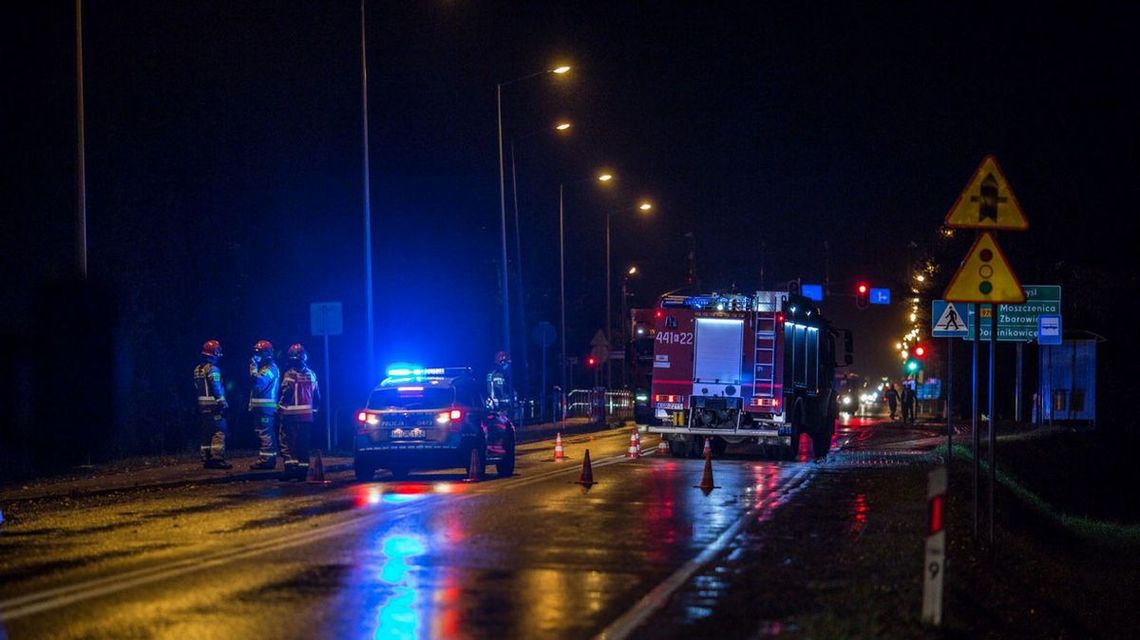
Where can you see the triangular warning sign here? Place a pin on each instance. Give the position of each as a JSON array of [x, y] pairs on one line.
[[951, 321], [987, 202], [985, 276]]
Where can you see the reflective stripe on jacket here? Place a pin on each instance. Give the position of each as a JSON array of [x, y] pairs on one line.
[[263, 388], [208, 383], [299, 394]]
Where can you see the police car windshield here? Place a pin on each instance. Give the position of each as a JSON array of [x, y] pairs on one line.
[[411, 397]]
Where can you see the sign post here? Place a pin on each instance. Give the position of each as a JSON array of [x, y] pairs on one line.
[[987, 204], [934, 569], [327, 320]]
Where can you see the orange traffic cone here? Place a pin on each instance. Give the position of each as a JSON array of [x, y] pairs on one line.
[[662, 446], [708, 448], [474, 473], [634, 450], [706, 484], [587, 477], [316, 473], [559, 453]]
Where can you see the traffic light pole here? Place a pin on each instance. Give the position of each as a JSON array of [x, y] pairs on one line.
[[949, 401]]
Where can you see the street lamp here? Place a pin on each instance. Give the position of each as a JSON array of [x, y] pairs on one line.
[[503, 284], [560, 128], [645, 207], [629, 273], [603, 178]]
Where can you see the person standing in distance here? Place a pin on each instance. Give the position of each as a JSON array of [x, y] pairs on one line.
[[264, 377], [212, 407], [296, 406]]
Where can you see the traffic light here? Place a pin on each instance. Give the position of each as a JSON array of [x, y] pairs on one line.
[[591, 361], [919, 351], [862, 295]]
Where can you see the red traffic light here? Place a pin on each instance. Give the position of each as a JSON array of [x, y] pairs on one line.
[[861, 288], [919, 351], [591, 361]]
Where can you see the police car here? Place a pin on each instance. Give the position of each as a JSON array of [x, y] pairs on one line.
[[431, 418]]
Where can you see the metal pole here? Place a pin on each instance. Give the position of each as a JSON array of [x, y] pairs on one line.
[[562, 299], [609, 318], [503, 284], [974, 413], [542, 393], [367, 203], [1017, 387], [949, 401], [519, 276], [328, 392], [993, 417], [81, 144]]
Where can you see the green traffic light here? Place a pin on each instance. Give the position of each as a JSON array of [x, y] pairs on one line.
[[911, 366]]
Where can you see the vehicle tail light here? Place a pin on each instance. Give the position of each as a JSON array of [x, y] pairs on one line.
[[362, 416], [366, 420], [456, 414]]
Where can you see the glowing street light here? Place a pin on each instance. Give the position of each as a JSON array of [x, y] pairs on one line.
[[562, 126], [605, 177], [503, 278]]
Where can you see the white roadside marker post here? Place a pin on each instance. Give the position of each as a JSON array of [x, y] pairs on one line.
[[935, 566]]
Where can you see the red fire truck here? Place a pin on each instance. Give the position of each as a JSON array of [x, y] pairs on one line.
[[738, 369]]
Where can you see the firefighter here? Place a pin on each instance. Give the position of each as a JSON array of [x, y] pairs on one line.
[[264, 377], [295, 407], [212, 407]]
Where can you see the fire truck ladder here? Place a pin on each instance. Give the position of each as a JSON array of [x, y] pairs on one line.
[[764, 372]]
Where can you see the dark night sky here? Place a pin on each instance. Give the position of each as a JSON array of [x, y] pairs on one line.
[[224, 164]]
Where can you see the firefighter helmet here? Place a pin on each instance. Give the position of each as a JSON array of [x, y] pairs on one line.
[[212, 349], [502, 358], [297, 352], [263, 348]]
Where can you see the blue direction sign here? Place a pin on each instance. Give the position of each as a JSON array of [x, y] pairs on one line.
[[812, 292], [1049, 329], [1016, 322], [880, 296], [949, 322]]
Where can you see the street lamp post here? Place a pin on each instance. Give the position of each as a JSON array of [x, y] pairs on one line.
[[604, 178], [504, 285], [643, 207]]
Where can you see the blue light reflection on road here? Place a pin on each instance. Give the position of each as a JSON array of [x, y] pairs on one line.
[[399, 614]]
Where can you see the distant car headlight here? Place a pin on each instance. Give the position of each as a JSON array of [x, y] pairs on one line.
[[846, 399]]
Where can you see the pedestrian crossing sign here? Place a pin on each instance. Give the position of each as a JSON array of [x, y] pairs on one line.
[[948, 321], [987, 202]]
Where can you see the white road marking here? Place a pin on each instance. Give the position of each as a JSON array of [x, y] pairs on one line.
[[659, 596]]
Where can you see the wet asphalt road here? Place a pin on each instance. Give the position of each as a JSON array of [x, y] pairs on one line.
[[534, 555]]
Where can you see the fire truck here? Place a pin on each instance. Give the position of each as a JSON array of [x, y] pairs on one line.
[[756, 369]]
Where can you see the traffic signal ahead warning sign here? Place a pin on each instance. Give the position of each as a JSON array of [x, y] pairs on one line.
[[985, 276]]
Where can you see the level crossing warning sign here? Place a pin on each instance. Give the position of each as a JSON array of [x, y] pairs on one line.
[[985, 276], [987, 202]]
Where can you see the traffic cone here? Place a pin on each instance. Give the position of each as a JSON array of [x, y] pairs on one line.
[[474, 473], [316, 473], [559, 453], [706, 485], [587, 477], [634, 450], [708, 448], [662, 446]]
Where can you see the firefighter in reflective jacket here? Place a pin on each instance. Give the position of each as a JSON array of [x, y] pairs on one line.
[[211, 407], [264, 376], [295, 408]]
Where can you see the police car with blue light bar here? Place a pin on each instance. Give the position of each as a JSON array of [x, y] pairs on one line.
[[431, 418]]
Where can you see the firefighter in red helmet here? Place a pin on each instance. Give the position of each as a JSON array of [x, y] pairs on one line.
[[212, 407], [296, 406], [264, 377]]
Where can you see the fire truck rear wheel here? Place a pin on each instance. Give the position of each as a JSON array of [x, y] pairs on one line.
[[678, 448], [792, 450], [719, 446]]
